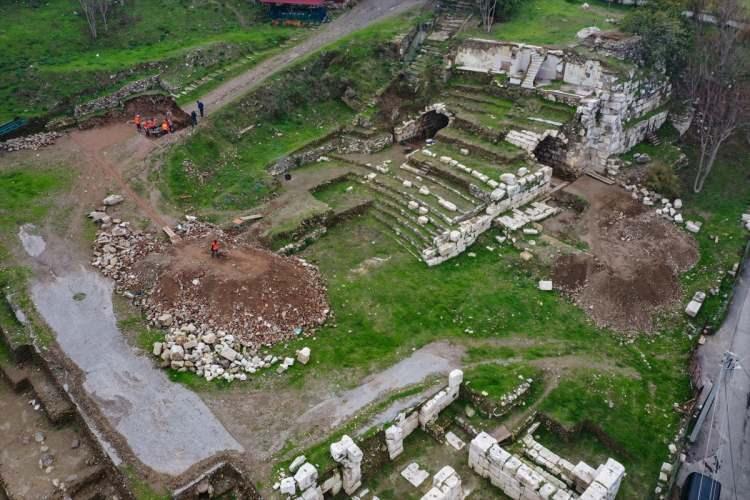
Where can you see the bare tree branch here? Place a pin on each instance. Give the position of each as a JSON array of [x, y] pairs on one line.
[[487, 10], [88, 7]]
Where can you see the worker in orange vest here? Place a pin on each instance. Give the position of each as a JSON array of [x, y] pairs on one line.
[[165, 127], [215, 248], [137, 121]]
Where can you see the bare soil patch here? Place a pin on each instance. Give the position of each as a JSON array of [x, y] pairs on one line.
[[632, 271], [251, 293]]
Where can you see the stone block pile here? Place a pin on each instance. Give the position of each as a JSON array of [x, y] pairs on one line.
[[30, 142], [511, 192], [695, 304], [406, 423], [303, 483], [446, 485], [556, 479]]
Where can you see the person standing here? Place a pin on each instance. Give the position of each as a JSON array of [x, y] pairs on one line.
[[193, 119], [215, 248], [200, 108]]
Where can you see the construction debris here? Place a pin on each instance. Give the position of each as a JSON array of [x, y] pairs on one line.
[[32, 142]]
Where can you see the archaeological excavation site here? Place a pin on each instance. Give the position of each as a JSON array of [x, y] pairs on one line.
[[375, 250]]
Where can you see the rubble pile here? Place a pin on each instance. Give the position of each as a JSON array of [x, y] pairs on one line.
[[218, 312], [32, 142]]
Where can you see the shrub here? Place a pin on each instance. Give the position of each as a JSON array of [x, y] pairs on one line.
[[662, 179]]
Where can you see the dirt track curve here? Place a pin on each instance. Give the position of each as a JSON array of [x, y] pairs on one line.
[[366, 12]]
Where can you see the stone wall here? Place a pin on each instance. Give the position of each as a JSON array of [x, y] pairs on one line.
[[615, 111], [551, 477], [116, 99]]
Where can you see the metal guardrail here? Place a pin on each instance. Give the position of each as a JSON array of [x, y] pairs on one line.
[[11, 126]]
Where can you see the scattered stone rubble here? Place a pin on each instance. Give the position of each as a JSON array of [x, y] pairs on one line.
[[32, 142], [194, 342], [550, 477]]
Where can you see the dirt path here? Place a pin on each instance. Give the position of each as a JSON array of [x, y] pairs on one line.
[[263, 420], [94, 145], [366, 12]]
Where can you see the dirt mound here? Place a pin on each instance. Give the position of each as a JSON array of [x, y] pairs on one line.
[[632, 269], [256, 296]]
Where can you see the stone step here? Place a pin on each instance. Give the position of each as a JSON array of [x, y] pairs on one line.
[[55, 403], [410, 249], [406, 226], [533, 71]]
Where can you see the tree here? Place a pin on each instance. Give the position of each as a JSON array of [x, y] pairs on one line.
[[487, 11], [103, 6], [717, 82], [89, 9], [665, 38]]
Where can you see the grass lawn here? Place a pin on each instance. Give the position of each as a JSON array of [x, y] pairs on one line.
[[49, 59], [229, 173], [235, 170], [550, 22]]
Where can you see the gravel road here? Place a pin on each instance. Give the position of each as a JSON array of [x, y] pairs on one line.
[[363, 14]]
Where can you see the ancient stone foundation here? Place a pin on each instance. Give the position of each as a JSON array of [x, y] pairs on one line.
[[549, 477]]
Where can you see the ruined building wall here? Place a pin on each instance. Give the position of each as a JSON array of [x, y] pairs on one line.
[[614, 111]]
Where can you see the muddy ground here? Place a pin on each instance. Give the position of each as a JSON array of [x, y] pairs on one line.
[[630, 271]]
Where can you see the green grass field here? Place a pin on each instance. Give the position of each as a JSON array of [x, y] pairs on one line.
[[551, 22], [233, 169], [49, 60]]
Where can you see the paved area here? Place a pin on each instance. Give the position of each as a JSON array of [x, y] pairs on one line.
[[432, 359], [167, 427], [723, 446], [363, 14]]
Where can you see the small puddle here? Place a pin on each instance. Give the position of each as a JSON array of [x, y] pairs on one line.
[[32, 242]]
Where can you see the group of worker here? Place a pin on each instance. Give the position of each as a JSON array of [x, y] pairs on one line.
[[151, 126]]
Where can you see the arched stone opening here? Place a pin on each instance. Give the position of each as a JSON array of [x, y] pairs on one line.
[[430, 124]]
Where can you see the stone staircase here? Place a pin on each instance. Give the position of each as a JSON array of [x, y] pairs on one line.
[[653, 139], [533, 71], [524, 139]]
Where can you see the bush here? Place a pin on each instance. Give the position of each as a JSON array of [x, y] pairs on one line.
[[665, 37], [662, 179]]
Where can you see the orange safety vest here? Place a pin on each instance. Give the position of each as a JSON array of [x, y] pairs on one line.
[[137, 119], [165, 126], [214, 247]]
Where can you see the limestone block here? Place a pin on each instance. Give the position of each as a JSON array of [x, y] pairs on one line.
[[594, 492], [693, 308], [408, 423], [394, 441], [424, 191], [288, 486], [455, 378], [407, 184], [498, 456], [314, 493], [562, 495], [512, 465], [508, 179], [333, 484], [546, 491], [497, 194], [454, 236], [414, 474], [351, 479], [528, 477], [450, 206], [413, 205], [303, 355], [306, 476], [583, 475], [454, 441], [692, 226], [433, 494], [422, 220], [297, 463], [445, 159], [423, 210]]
